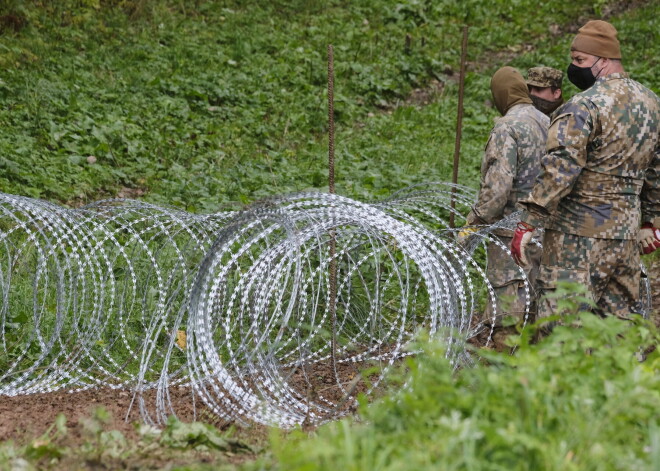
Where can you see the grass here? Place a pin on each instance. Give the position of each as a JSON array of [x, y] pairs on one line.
[[579, 400], [211, 105]]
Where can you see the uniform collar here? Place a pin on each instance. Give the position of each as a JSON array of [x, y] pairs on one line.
[[518, 107], [615, 76]]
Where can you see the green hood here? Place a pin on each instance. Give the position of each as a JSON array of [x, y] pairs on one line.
[[508, 88]]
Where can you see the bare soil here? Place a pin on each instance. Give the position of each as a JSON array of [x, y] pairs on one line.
[[31, 415], [25, 418]]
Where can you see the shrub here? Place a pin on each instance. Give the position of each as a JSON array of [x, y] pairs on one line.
[[581, 399]]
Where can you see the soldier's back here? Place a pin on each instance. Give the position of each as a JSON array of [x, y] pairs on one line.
[[621, 120], [529, 128]]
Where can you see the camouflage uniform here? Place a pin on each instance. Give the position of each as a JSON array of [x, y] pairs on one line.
[[602, 167], [544, 77], [511, 163]]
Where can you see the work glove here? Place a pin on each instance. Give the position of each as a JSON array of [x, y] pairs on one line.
[[464, 233], [521, 237], [648, 239]]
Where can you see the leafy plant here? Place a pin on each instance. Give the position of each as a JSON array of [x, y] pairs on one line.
[[579, 399], [206, 105], [103, 447], [100, 443], [198, 435]]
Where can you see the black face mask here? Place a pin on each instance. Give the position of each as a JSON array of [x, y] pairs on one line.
[[545, 106], [582, 77]]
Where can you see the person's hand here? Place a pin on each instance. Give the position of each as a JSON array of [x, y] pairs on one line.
[[521, 237], [648, 239], [464, 233]]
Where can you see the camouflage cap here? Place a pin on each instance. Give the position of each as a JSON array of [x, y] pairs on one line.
[[543, 77]]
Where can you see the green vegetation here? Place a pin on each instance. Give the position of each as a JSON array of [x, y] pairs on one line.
[[102, 448], [584, 398], [208, 104], [579, 400]]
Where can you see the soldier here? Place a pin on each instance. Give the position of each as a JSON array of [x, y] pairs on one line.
[[600, 175], [544, 85], [510, 164]]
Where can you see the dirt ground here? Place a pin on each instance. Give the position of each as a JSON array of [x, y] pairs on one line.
[[25, 419], [30, 416]]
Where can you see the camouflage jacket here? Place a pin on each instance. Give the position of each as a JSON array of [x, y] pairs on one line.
[[602, 163], [510, 164]]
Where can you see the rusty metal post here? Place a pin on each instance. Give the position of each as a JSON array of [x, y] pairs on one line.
[[459, 124], [332, 297], [331, 121]]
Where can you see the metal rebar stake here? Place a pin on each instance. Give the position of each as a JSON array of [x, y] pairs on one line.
[[459, 125], [331, 189]]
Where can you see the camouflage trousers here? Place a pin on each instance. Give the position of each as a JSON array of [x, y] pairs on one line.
[[608, 268], [511, 297]]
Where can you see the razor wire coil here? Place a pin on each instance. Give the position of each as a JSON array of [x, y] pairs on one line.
[[236, 307]]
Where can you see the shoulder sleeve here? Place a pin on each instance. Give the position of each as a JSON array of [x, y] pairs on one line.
[[498, 170], [566, 155]]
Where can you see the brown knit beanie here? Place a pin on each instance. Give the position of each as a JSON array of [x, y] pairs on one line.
[[598, 38]]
